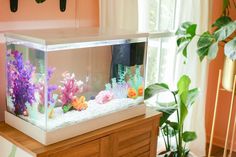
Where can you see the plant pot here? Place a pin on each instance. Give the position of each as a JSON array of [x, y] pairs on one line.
[[229, 70]]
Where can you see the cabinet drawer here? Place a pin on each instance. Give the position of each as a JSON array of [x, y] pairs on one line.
[[90, 149], [133, 141]]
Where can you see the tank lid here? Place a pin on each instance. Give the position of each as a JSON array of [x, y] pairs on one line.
[[94, 36]]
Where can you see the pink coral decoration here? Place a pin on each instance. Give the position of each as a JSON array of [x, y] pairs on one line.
[[104, 97], [70, 88]]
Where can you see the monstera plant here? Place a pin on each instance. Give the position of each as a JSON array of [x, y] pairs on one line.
[[222, 34], [223, 31], [183, 98], [207, 44]]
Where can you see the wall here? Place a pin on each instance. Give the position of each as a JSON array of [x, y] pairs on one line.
[[30, 15], [224, 97]]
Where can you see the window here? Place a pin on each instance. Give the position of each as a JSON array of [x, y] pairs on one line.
[[159, 18]]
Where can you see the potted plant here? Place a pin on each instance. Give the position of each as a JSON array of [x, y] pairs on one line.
[[223, 33], [183, 98]]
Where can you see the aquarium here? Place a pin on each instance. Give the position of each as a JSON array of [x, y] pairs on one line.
[[71, 81]]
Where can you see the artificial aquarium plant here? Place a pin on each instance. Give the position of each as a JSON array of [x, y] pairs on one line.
[[183, 98], [133, 87], [135, 82], [68, 90], [51, 98], [19, 78]]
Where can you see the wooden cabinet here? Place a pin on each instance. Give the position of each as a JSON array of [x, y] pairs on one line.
[[135, 137], [138, 140], [90, 149]]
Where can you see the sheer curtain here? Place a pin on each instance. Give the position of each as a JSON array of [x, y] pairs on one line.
[[162, 18], [197, 12], [119, 14]]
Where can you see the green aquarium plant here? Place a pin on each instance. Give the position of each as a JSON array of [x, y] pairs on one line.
[[183, 97]]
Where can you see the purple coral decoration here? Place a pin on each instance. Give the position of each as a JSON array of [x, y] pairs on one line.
[[70, 88], [51, 88], [20, 87]]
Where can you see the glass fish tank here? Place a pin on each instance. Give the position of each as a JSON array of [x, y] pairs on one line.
[[67, 82]]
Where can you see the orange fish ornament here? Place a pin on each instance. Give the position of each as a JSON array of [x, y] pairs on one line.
[[140, 91], [132, 93], [80, 104]]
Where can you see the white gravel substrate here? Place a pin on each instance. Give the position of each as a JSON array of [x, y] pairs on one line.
[[94, 110]]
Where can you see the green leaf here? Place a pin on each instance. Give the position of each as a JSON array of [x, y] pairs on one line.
[[222, 21], [192, 95], [154, 89], [204, 43], [186, 152], [183, 44], [192, 30], [183, 84], [183, 109], [189, 136], [166, 113], [186, 28], [173, 125], [180, 40], [213, 50], [185, 51], [225, 31], [230, 49], [183, 87], [186, 32], [167, 130]]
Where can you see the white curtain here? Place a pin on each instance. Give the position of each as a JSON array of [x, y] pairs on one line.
[[119, 14], [135, 15], [197, 12]]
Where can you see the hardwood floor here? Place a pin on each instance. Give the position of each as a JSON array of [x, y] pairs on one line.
[[218, 151]]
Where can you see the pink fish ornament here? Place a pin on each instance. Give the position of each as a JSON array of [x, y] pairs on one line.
[[104, 97]]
